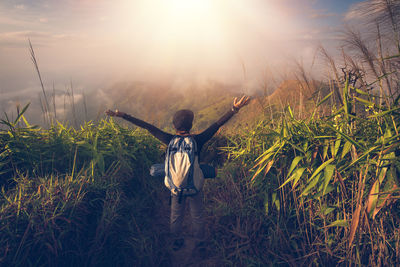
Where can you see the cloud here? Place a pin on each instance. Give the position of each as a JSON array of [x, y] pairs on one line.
[[20, 6], [16, 39], [22, 94], [320, 34], [20, 16], [321, 14], [354, 12], [10, 21], [370, 10], [24, 4]]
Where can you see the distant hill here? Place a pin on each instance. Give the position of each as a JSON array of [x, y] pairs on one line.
[[157, 102]]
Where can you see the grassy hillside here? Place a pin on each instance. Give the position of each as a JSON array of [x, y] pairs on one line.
[[307, 191]]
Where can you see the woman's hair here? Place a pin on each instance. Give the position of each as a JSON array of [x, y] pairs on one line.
[[183, 120]]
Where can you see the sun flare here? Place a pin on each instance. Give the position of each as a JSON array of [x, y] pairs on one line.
[[193, 35], [189, 8]]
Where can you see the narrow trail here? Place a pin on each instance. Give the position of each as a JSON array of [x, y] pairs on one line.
[[188, 255]]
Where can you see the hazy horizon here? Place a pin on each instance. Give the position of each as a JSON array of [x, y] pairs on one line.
[[97, 44]]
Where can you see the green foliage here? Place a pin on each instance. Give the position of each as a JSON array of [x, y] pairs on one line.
[[336, 175], [100, 149], [77, 197]]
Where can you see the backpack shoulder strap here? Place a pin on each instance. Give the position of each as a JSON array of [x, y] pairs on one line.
[[194, 142]]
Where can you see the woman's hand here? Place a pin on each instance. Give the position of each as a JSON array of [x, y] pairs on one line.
[[241, 103], [115, 113]]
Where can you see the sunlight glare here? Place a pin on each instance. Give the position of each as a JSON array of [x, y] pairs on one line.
[[189, 8], [192, 35]]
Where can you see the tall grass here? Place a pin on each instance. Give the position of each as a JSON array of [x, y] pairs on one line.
[[77, 197], [327, 187]]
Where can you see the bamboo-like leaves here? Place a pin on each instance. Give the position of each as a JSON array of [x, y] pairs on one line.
[[346, 148], [383, 113], [21, 113], [295, 177], [321, 167], [339, 223], [336, 147], [294, 164], [347, 137], [385, 175], [328, 174], [265, 161], [311, 184]]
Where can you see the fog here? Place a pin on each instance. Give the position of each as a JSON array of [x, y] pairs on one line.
[[96, 44]]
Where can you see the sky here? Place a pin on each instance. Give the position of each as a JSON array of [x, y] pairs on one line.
[[96, 43]]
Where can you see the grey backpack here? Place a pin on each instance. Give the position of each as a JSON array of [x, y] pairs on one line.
[[183, 175]]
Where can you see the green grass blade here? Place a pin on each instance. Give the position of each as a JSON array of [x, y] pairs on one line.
[[346, 149], [321, 167], [383, 113], [311, 184], [348, 138], [339, 223], [328, 173], [294, 164]]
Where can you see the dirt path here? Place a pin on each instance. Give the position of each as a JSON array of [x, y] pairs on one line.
[[184, 256], [188, 255]]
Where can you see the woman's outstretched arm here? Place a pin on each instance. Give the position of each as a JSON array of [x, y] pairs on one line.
[[156, 132]]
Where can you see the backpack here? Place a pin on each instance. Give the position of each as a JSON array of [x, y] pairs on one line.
[[183, 175]]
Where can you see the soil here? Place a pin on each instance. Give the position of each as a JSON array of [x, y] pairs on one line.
[[189, 254]]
